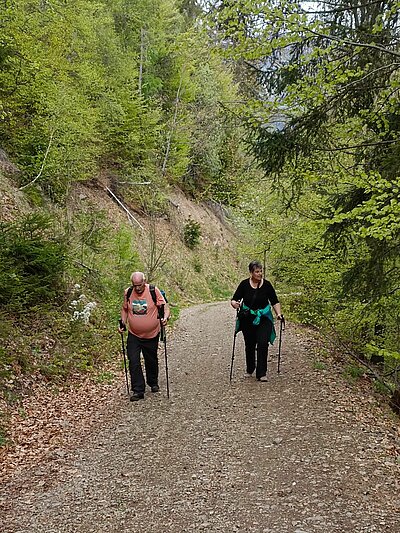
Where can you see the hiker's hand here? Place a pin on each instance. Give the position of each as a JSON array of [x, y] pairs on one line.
[[235, 304], [280, 317], [164, 321], [122, 327]]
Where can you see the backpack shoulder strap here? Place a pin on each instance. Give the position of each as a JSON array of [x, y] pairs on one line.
[[152, 289], [128, 293], [160, 308], [164, 295]]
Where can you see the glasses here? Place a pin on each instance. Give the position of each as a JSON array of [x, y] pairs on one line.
[[138, 285]]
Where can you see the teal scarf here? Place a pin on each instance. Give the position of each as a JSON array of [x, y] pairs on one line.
[[258, 313]]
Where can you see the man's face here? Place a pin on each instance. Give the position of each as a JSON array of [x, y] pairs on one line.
[[138, 285]]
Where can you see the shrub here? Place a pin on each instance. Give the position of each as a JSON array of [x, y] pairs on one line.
[[191, 233], [197, 265], [33, 260]]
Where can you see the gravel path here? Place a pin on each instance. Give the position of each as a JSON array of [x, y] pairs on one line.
[[304, 453]]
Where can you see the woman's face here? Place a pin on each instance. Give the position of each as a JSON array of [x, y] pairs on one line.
[[256, 274]]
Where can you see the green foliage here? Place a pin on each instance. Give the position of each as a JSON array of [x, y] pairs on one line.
[[89, 234], [380, 388], [319, 365], [174, 313], [219, 290], [324, 124], [50, 80], [105, 377], [353, 372], [121, 260], [6, 364], [97, 92], [197, 265], [3, 430], [33, 259], [191, 233], [130, 87]]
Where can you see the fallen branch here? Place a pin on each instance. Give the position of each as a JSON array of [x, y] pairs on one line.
[[43, 163], [124, 208], [88, 268]]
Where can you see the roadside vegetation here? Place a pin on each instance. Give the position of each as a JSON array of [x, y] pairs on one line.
[[123, 95], [324, 127]]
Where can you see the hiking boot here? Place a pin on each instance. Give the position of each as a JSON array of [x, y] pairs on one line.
[[136, 396], [247, 375], [155, 388], [263, 379]]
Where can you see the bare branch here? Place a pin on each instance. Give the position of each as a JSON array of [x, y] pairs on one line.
[[43, 163], [370, 73], [363, 145], [88, 268], [340, 10], [354, 43], [164, 165], [123, 207]]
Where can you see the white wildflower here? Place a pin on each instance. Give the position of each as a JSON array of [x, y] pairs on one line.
[[82, 309]]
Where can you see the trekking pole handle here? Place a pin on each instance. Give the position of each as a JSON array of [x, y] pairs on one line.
[[122, 325]]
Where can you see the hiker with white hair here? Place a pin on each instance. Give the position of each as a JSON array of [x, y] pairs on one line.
[[144, 312]]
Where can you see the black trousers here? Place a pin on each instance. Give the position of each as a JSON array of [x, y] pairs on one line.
[[256, 340], [148, 347]]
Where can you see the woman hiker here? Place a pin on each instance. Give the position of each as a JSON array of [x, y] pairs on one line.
[[254, 297]]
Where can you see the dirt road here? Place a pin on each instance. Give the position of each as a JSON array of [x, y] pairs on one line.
[[306, 452]]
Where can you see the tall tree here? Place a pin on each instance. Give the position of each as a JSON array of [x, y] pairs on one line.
[[326, 120]]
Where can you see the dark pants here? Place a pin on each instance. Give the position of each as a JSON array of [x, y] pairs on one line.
[[148, 347], [256, 338]]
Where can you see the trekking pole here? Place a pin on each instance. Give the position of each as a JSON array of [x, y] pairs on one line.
[[233, 348], [164, 339], [281, 328], [122, 326]]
